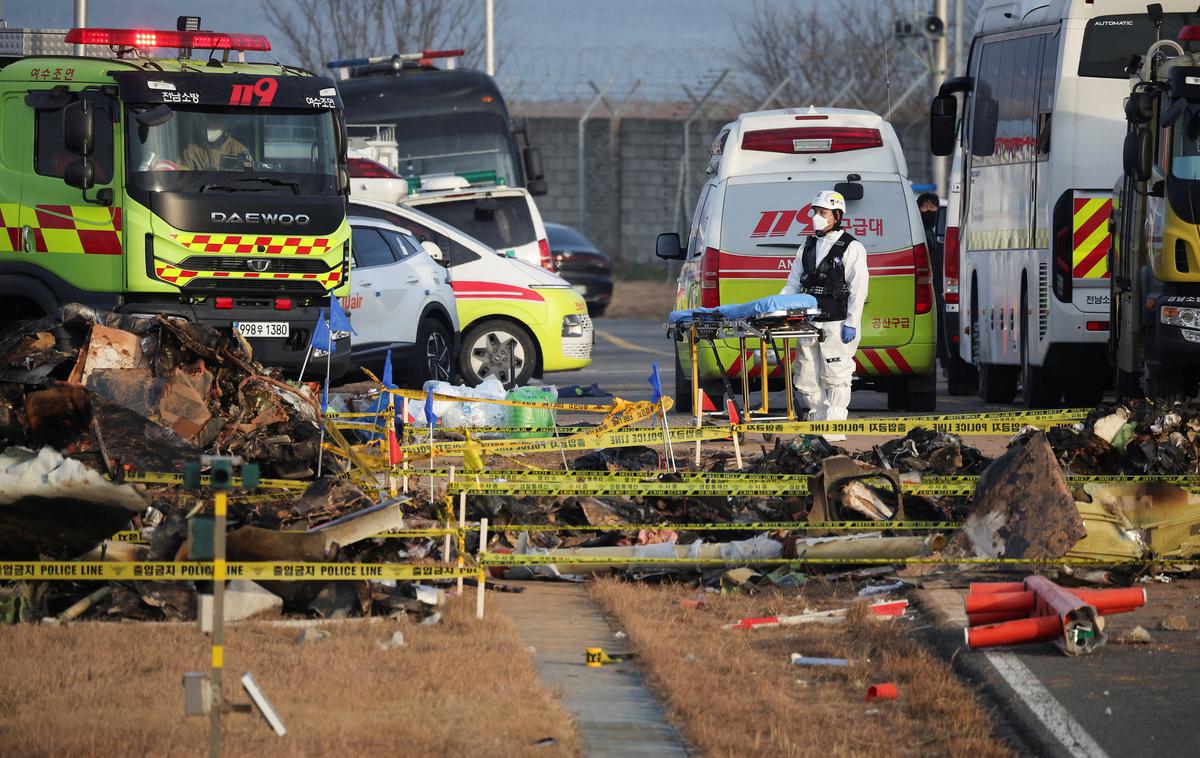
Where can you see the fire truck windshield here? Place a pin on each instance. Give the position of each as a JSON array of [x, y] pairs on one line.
[[216, 150], [456, 144], [1185, 159]]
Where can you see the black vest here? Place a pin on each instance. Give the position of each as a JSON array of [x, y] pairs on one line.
[[827, 282]]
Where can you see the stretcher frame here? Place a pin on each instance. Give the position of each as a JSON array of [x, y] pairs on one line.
[[791, 326]]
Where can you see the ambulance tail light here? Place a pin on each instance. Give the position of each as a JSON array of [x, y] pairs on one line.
[[151, 38], [924, 282], [283, 303], [544, 256], [812, 139], [710, 278], [950, 265], [365, 168]]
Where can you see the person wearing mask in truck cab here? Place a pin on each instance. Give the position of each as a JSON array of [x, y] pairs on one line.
[[217, 150], [832, 267]]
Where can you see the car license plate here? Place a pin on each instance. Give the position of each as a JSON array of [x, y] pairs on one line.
[[580, 288], [262, 328]]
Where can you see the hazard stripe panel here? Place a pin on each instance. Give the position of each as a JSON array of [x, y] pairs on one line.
[[233, 244], [1090, 237], [72, 229]]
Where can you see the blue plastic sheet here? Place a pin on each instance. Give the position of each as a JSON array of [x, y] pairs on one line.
[[746, 310]]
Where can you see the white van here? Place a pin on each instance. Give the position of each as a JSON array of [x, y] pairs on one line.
[[753, 215], [518, 320], [504, 218]]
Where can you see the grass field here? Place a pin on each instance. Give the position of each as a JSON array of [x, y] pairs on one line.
[[460, 688], [736, 692]]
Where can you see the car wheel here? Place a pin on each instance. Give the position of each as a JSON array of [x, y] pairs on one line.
[[497, 349], [434, 351]]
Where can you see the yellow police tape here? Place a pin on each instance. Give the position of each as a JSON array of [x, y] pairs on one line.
[[960, 424], [152, 477], [488, 560], [200, 571], [757, 526]]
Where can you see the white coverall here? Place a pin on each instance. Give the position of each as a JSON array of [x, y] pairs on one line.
[[824, 370]]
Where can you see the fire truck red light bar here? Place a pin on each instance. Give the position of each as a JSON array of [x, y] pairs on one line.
[[812, 139], [148, 38]]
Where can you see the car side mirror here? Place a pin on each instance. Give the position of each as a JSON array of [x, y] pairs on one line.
[[943, 117], [79, 127], [1138, 154], [668, 247], [434, 251], [983, 140], [1139, 108], [156, 116], [537, 187], [80, 173], [533, 163]]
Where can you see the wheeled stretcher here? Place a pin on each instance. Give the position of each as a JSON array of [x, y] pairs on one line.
[[785, 318]]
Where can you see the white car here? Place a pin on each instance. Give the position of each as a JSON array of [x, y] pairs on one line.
[[400, 300], [504, 218], [518, 320]]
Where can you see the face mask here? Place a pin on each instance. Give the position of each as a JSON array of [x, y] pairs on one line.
[[929, 218], [214, 134], [819, 222]]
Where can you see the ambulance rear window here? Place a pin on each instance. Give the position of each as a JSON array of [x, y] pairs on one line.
[[771, 218]]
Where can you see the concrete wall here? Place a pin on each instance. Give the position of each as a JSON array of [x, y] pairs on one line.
[[632, 174]]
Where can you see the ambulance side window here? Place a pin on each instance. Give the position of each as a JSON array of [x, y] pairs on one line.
[[695, 241], [51, 156]]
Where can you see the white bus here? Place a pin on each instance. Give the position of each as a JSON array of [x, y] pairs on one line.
[[1039, 143]]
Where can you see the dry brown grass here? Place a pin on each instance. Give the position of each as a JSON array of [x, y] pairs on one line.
[[740, 694], [461, 688], [642, 299]]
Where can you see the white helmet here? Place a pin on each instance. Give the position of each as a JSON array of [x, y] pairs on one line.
[[831, 200]]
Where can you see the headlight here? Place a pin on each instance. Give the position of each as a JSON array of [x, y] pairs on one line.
[[1188, 318], [572, 326]]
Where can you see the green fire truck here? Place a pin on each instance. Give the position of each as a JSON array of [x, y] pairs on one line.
[[200, 186]]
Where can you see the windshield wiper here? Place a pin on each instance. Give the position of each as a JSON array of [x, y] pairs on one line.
[[227, 188], [270, 180]]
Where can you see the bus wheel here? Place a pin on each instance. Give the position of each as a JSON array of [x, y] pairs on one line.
[[1039, 388], [961, 377], [997, 384]]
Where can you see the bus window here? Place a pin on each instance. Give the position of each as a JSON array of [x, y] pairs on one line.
[[985, 109], [1109, 41], [1047, 77]]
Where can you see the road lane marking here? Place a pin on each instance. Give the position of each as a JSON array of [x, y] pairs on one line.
[[1048, 710], [627, 345]]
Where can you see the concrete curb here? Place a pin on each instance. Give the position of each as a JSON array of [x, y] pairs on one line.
[[1018, 724]]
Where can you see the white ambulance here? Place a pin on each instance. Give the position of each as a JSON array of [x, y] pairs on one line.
[[752, 216]]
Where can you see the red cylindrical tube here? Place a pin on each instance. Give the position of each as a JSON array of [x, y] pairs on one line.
[[987, 587], [1103, 600], [1019, 632], [996, 602], [994, 617]]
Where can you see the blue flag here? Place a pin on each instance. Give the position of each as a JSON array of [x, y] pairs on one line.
[[430, 418], [387, 372], [655, 384], [338, 320], [320, 335]]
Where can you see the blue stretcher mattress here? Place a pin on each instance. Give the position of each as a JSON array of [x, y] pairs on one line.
[[746, 310]]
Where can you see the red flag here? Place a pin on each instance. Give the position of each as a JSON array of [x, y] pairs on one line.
[[395, 454], [734, 418]]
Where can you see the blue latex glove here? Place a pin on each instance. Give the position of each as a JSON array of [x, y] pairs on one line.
[[848, 334]]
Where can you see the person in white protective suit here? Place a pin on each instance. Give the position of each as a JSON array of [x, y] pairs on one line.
[[832, 267]]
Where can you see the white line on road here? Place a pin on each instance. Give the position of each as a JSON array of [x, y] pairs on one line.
[[1049, 711], [627, 345]]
